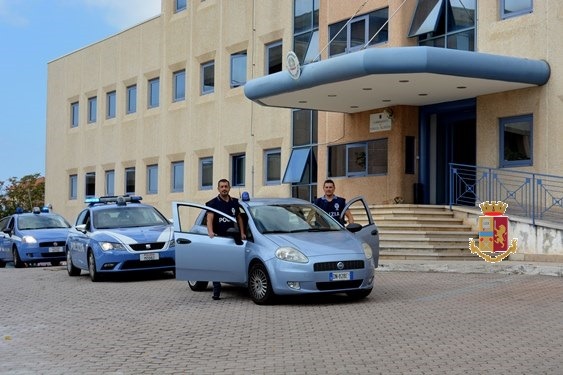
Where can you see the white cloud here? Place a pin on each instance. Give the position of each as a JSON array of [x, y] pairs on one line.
[[9, 15], [123, 14]]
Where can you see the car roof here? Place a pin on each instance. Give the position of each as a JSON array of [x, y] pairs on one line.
[[108, 206]]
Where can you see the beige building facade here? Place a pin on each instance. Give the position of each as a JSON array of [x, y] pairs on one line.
[[380, 105]]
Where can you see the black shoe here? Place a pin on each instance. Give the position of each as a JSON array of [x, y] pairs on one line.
[[216, 298]]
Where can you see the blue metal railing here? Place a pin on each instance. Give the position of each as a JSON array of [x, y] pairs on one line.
[[532, 195]]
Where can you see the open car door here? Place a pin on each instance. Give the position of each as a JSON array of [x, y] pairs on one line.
[[362, 215], [199, 257]]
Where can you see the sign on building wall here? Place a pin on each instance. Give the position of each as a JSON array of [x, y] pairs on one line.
[[379, 122]]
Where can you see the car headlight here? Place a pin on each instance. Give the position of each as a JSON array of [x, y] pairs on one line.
[[367, 250], [290, 254], [116, 246], [171, 243], [29, 239]]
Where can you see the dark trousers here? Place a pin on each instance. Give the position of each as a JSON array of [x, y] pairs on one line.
[[216, 289]]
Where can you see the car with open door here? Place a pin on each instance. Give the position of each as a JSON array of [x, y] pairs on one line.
[[292, 247]]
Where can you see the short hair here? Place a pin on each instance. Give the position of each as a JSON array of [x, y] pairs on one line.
[[329, 181], [223, 180]]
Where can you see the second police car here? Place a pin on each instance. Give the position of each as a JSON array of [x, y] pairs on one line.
[[119, 234]]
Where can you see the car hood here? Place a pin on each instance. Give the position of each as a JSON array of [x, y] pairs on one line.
[[161, 233], [319, 243], [45, 235]]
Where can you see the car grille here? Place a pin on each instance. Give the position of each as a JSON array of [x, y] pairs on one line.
[[147, 246], [52, 243], [331, 266], [334, 285], [52, 255], [136, 264]]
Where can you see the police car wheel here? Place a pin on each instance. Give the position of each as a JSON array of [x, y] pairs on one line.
[[94, 275], [17, 260], [198, 286], [259, 285], [70, 268]]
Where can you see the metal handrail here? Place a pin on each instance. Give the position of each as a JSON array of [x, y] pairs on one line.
[[531, 195]]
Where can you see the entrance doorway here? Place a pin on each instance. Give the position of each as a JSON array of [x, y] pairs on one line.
[[447, 135]]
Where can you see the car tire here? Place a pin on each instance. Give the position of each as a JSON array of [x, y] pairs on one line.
[[70, 268], [359, 294], [2, 264], [259, 285], [17, 260], [198, 286], [56, 263], [94, 274]]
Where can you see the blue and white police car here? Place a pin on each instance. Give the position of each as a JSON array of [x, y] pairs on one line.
[[119, 234], [33, 237]]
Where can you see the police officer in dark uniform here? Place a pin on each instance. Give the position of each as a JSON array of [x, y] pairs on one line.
[[218, 225], [332, 204]]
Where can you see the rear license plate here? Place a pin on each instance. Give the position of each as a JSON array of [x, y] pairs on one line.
[[56, 249], [340, 276], [149, 256]]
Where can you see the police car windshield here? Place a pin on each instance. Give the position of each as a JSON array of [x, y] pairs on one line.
[[34, 221], [291, 218], [127, 217]]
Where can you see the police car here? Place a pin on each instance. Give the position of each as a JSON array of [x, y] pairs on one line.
[[119, 234], [33, 237]]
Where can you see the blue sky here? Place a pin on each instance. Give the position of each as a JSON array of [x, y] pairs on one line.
[[32, 33]]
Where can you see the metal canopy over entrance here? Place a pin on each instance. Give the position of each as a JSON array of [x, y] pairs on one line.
[[383, 77]]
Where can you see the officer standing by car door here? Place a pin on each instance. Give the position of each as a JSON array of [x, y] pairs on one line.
[[217, 225], [332, 204]]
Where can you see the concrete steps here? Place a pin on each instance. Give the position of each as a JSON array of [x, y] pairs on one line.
[[421, 232]]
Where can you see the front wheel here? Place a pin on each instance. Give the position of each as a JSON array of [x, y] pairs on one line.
[[94, 275], [259, 285], [70, 268], [198, 286], [17, 260]]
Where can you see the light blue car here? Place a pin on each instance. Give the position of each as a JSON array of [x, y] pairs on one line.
[[33, 237], [292, 247], [119, 234]]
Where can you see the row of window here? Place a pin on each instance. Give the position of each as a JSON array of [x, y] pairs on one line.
[[238, 78], [272, 172]]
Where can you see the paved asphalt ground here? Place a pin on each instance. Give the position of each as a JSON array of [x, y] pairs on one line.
[[440, 321]]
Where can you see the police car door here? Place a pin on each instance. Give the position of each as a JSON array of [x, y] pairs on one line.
[[362, 215], [199, 257]]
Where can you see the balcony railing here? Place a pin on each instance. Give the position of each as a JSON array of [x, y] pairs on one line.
[[531, 195]]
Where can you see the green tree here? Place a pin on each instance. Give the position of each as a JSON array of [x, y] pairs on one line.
[[27, 192]]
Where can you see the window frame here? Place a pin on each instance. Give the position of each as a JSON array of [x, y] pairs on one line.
[[111, 104], [520, 12], [235, 57], [269, 67], [369, 159], [503, 122], [92, 109], [109, 185], [177, 181], [202, 163], [180, 5], [152, 179], [204, 67], [73, 187], [153, 100], [127, 173], [179, 85], [90, 184], [267, 154], [74, 114], [236, 174], [131, 99]]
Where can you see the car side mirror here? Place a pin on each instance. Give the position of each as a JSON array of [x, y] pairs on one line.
[[81, 228], [8, 231], [354, 227], [235, 234]]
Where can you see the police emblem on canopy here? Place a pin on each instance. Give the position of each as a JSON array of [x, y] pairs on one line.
[[493, 233]]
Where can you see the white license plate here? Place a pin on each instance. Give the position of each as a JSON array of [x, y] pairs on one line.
[[339, 276], [149, 256], [56, 249]]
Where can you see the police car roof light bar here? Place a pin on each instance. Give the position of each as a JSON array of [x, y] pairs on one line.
[[120, 200]]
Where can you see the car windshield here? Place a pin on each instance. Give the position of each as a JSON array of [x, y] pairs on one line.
[[42, 222], [128, 217], [290, 218]]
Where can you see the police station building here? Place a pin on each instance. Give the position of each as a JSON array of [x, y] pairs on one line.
[[415, 101]]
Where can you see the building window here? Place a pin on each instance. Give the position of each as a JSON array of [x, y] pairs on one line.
[[130, 181], [206, 173], [306, 30], [238, 69], [90, 182], [445, 24], [274, 57], [152, 179], [72, 186], [179, 86], [74, 115], [359, 32], [272, 166], [131, 99], [111, 97], [208, 78], [516, 140], [154, 93], [358, 159], [92, 109], [180, 5], [513, 8], [177, 182], [110, 182], [237, 169]]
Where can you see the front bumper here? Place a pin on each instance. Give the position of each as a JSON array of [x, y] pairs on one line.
[[123, 261]]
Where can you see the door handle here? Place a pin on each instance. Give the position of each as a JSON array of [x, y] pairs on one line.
[[374, 232], [182, 241]]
